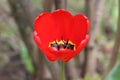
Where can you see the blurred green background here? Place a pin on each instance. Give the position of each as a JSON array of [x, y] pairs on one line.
[[20, 59]]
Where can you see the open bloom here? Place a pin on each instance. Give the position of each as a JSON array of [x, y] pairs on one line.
[[59, 35]]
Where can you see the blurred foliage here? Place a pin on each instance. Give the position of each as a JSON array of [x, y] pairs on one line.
[[6, 28], [37, 3], [114, 73], [95, 77], [115, 15], [76, 6], [3, 59], [119, 56], [26, 59]]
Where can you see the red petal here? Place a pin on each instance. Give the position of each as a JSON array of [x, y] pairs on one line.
[[49, 55], [46, 28], [79, 29], [80, 47], [60, 54], [37, 39], [60, 25], [63, 19]]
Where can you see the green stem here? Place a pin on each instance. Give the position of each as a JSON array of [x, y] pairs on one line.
[[62, 68]]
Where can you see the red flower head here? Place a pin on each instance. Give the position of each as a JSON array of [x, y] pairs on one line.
[[60, 35]]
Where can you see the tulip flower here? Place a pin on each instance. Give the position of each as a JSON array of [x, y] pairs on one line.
[[60, 35]]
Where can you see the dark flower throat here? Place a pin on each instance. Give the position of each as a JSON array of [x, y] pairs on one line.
[[62, 44]]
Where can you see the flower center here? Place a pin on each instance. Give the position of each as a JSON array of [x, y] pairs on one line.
[[62, 44]]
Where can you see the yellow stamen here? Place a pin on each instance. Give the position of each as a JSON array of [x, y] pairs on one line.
[[69, 42]]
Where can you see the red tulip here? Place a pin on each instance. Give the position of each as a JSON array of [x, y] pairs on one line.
[[59, 35]]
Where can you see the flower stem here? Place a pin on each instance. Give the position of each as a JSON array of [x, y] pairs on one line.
[[62, 68]]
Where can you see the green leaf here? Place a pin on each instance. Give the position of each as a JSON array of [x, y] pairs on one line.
[[114, 73], [26, 59]]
